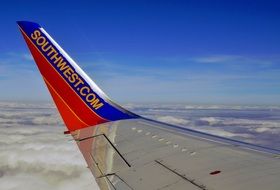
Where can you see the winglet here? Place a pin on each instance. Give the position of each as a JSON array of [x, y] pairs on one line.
[[79, 100]]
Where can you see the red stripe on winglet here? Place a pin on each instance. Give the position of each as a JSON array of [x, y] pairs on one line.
[[65, 92]]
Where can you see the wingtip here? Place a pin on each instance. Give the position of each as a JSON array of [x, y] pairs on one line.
[[24, 24]]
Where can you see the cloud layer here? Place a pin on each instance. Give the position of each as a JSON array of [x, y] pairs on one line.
[[34, 153], [254, 124]]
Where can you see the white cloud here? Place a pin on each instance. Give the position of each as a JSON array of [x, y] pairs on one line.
[[34, 153], [209, 130], [173, 120], [216, 59], [223, 133], [210, 120], [267, 129]]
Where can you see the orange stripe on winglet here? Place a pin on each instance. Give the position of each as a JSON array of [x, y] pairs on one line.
[[71, 120], [66, 93]]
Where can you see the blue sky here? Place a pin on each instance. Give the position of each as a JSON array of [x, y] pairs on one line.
[[217, 52]]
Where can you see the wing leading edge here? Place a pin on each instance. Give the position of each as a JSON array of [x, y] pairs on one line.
[[131, 152]]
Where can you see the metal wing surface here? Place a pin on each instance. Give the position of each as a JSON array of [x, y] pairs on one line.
[[144, 154]]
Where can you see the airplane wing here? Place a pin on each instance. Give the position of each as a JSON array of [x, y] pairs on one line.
[[125, 151]]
